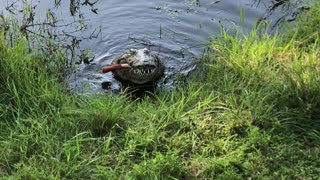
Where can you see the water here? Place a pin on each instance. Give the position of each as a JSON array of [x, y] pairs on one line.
[[176, 30]]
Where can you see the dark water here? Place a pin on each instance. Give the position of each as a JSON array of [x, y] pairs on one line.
[[176, 30]]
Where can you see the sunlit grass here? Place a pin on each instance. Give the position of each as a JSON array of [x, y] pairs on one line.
[[251, 110]]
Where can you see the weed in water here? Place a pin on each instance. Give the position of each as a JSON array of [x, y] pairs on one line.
[[251, 113]]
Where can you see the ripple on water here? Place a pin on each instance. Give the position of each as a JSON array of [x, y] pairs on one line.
[[175, 30]]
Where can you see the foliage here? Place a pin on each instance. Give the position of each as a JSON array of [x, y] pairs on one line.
[[307, 26], [251, 111], [50, 34]]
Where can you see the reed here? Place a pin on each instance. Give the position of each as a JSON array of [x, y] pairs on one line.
[[250, 110]]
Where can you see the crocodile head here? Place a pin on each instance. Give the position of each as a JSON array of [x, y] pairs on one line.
[[139, 66]]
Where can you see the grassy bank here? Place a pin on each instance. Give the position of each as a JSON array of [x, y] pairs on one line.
[[252, 110]]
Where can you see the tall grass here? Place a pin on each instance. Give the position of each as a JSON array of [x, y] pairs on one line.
[[251, 110]]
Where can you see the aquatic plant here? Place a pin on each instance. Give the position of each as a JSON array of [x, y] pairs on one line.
[[250, 111]]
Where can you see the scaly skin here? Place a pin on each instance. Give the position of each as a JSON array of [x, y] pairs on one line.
[[137, 65]]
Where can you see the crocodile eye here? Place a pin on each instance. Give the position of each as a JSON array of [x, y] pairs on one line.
[[146, 51], [133, 51]]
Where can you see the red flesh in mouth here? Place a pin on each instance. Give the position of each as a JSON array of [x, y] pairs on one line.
[[114, 67]]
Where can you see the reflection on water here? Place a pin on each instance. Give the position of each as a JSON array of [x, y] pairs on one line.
[[176, 31]]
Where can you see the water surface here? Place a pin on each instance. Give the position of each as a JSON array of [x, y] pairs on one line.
[[176, 30]]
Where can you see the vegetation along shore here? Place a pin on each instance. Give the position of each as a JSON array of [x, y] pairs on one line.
[[251, 110]]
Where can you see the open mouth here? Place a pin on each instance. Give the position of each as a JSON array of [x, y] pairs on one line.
[[138, 70], [143, 70]]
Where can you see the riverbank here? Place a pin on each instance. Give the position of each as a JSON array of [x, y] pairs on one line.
[[250, 111]]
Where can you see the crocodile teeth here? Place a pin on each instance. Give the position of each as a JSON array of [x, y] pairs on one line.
[[136, 71], [143, 71]]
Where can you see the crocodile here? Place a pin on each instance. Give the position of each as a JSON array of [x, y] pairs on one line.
[[138, 66]]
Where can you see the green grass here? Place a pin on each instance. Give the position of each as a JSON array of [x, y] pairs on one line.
[[251, 110]]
